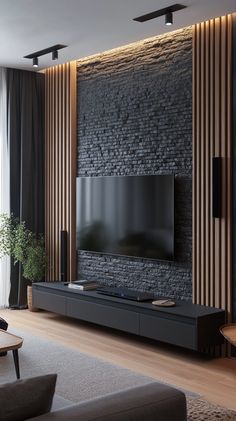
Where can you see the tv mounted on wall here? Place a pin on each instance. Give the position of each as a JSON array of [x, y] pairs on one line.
[[126, 215]]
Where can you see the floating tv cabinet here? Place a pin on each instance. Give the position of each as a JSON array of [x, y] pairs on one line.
[[187, 325]]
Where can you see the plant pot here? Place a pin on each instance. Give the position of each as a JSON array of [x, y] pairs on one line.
[[30, 300]]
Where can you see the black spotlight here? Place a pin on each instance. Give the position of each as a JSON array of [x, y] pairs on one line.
[[54, 55], [35, 62], [169, 18]]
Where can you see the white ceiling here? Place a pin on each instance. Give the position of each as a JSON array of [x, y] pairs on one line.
[[88, 26]]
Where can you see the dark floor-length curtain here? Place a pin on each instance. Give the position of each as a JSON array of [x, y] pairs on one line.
[[26, 140]]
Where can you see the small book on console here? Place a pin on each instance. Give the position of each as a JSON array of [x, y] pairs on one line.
[[83, 285]]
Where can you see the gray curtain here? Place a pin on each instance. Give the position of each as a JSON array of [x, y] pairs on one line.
[[25, 95]]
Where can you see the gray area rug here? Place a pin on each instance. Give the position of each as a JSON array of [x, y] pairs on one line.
[[82, 377]]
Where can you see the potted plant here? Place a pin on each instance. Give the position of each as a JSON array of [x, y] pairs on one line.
[[25, 248], [34, 264]]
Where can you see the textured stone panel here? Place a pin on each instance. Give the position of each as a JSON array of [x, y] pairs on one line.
[[135, 117]]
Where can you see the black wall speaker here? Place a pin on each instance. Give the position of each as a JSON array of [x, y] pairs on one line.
[[63, 263], [216, 187]]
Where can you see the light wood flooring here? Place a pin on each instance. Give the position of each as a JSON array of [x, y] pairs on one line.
[[214, 379]]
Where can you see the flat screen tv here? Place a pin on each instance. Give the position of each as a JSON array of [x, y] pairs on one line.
[[126, 215]]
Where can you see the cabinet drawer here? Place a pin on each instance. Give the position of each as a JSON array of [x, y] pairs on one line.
[[109, 316], [170, 331], [50, 302]]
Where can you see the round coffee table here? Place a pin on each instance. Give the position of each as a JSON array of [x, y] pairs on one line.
[[10, 342]]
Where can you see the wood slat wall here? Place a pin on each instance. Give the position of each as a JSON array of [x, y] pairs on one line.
[[212, 137], [60, 179]]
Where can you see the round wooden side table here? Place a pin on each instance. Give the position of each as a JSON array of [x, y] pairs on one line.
[[229, 333], [10, 342]]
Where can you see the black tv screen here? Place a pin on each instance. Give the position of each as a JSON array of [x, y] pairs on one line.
[[127, 215]]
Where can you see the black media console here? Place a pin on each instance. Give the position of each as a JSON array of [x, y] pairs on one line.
[[187, 325]]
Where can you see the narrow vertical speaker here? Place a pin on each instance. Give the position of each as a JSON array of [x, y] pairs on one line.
[[63, 263], [216, 187]]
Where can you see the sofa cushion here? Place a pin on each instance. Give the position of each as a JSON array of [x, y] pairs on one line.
[[154, 401], [24, 399]]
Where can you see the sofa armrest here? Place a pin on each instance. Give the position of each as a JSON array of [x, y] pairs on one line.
[[149, 402]]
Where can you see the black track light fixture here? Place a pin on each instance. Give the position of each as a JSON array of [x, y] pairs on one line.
[[169, 18], [35, 62], [166, 11], [55, 55], [54, 50]]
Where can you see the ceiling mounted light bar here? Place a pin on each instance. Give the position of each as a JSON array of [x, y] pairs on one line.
[[161, 12], [54, 50]]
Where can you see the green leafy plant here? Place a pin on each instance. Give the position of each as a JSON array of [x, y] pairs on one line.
[[22, 241], [23, 246], [34, 263], [7, 234]]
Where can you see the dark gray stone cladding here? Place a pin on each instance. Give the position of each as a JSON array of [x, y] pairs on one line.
[[135, 117]]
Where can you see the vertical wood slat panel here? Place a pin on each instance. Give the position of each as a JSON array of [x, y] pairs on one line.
[[217, 153], [52, 264], [207, 165], [63, 146], [59, 154], [66, 145], [47, 168], [212, 153], [212, 119], [198, 165], [223, 153], [229, 117], [194, 167], [60, 172], [56, 203], [202, 160], [73, 167]]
